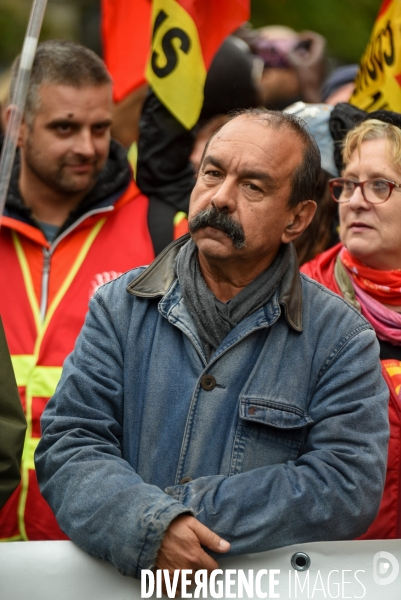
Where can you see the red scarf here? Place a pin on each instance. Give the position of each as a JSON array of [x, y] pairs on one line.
[[383, 286]]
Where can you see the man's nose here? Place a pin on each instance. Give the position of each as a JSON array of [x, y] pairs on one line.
[[84, 143], [224, 197]]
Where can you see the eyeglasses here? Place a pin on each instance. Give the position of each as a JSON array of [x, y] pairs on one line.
[[374, 191]]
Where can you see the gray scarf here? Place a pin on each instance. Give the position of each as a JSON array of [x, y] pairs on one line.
[[215, 319]]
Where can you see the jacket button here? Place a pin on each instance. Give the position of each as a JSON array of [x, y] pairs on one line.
[[208, 382], [185, 480]]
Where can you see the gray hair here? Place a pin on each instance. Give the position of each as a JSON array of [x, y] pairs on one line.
[[60, 62], [305, 177]]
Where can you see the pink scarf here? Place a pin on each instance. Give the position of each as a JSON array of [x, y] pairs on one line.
[[385, 322], [384, 286]]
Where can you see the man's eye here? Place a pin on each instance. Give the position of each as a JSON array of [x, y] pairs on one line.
[[253, 187], [100, 129], [64, 127], [211, 175]]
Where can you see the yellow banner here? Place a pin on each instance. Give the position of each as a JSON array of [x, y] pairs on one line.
[[176, 70], [378, 83]]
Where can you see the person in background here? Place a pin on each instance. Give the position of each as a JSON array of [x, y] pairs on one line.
[[322, 233], [339, 85], [74, 219], [12, 425], [294, 64], [203, 133], [365, 269], [126, 115]]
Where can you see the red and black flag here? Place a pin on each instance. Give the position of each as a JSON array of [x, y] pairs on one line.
[[170, 43], [378, 82]]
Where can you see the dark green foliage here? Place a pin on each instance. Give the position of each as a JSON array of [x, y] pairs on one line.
[[346, 24]]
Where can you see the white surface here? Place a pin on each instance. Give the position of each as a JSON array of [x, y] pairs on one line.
[[28, 52], [61, 571]]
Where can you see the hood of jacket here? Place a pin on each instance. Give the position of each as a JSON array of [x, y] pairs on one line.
[[113, 179]]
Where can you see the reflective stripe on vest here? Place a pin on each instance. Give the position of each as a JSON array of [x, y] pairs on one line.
[[39, 380]]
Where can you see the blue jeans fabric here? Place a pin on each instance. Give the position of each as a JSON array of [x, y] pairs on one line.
[[288, 447]]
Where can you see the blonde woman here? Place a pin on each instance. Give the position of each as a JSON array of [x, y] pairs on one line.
[[365, 268]]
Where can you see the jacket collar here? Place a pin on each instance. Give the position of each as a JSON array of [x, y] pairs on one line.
[[156, 279]]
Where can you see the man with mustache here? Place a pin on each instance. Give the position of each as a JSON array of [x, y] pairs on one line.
[[73, 220], [219, 401]]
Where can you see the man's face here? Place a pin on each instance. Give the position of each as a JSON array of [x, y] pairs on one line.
[[67, 144], [246, 178]]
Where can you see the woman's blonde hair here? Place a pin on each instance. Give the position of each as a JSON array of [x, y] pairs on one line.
[[373, 129]]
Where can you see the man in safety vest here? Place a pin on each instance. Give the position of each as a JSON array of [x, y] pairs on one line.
[[74, 219]]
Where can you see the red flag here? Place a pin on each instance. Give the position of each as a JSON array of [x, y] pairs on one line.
[[173, 41], [215, 20], [126, 42]]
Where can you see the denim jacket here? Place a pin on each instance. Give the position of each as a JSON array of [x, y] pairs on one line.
[[280, 438]]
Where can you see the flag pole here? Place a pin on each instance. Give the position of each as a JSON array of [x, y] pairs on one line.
[[19, 97]]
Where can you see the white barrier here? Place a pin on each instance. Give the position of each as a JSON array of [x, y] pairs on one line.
[[61, 571]]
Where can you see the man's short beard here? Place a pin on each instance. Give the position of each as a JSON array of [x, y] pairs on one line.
[[211, 217], [54, 177]]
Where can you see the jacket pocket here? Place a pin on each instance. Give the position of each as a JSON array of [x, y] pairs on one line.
[[268, 433]]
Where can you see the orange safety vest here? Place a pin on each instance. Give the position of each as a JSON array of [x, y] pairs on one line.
[[44, 293]]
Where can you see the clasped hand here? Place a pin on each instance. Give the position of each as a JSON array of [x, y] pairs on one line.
[[181, 547]]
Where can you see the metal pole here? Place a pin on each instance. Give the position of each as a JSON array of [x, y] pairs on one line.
[[19, 97]]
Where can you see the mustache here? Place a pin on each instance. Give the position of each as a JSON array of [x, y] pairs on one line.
[[211, 217]]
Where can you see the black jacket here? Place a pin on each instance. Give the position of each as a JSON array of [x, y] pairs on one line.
[[12, 425]]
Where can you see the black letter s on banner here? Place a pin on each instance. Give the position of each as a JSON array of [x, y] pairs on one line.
[[168, 48]]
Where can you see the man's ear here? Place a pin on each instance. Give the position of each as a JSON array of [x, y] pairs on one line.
[[23, 127], [299, 219]]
